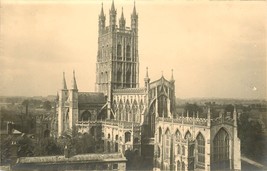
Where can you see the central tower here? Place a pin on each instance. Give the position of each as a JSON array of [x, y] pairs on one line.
[[117, 63]]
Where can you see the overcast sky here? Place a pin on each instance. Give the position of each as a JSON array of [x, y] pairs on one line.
[[216, 49]]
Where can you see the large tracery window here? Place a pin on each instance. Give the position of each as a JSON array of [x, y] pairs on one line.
[[119, 51], [162, 106], [160, 134], [221, 149], [127, 137], [86, 116], [167, 144], [200, 149], [128, 52]]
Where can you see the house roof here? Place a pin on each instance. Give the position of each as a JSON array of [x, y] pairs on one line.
[[74, 159], [91, 97]]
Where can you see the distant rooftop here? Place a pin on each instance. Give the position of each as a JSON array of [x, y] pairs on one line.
[[81, 158]]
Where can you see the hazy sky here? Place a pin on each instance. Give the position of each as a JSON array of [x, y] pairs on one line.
[[216, 49]]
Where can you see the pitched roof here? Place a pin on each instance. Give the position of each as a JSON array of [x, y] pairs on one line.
[[91, 97], [74, 159]]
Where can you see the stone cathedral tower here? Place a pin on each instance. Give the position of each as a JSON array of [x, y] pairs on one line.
[[117, 57]]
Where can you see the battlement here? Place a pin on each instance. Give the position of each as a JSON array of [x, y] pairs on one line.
[[185, 120]]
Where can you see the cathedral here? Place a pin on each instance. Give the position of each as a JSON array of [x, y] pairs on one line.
[[143, 119]]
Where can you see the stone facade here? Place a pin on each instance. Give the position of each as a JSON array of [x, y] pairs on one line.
[[144, 120]]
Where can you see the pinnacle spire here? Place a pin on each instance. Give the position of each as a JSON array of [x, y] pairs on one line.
[[134, 10], [64, 85], [74, 84], [112, 7], [122, 16], [102, 11], [172, 79], [146, 72]]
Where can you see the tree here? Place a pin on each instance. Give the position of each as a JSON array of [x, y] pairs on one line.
[[5, 149], [192, 109], [250, 135], [47, 105], [25, 146], [47, 146]]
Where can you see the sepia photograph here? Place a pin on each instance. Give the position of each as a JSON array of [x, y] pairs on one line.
[[133, 85]]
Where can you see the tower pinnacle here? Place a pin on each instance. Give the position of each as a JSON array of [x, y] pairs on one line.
[[64, 85], [74, 84], [112, 7], [102, 11]]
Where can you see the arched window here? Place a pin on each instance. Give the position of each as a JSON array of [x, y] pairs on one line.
[[128, 78], [187, 135], [162, 106], [128, 52], [177, 135], [183, 166], [127, 137], [136, 140], [183, 150], [119, 74], [108, 146], [160, 134], [178, 165], [108, 136], [158, 152], [221, 149], [119, 51], [116, 137], [200, 149], [167, 144], [116, 147], [178, 149], [86, 116]]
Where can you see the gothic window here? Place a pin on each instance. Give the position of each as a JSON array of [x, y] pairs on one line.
[[167, 144], [127, 137], [116, 147], [200, 149], [187, 135], [119, 52], [136, 140], [108, 146], [119, 74], [108, 136], [128, 52], [178, 149], [160, 134], [183, 166], [221, 146], [162, 106], [158, 152], [86, 116], [178, 165], [128, 78], [177, 135], [116, 137], [183, 150], [101, 77], [191, 150]]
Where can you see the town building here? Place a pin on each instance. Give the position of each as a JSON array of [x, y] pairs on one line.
[[143, 119]]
